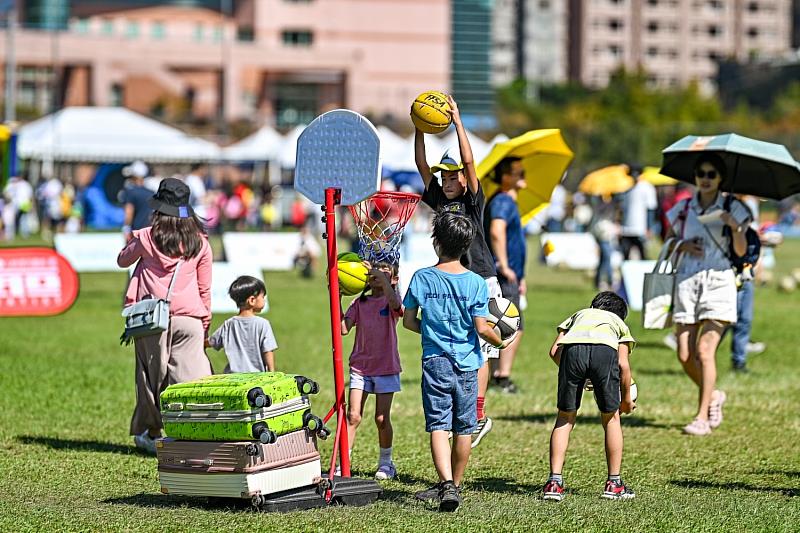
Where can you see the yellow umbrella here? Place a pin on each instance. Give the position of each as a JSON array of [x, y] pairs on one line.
[[545, 157], [653, 175], [606, 181]]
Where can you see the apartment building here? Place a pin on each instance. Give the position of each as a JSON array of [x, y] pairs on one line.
[[280, 62]]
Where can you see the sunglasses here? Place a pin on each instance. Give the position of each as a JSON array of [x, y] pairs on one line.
[[711, 174]]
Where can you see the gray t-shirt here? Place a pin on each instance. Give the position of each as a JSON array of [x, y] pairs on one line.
[[244, 339]]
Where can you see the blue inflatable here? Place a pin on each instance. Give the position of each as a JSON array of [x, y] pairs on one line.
[[101, 206]]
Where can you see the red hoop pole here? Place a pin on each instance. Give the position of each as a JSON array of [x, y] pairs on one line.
[[332, 197]]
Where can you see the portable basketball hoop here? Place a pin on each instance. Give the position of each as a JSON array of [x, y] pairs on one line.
[[338, 163], [380, 220]]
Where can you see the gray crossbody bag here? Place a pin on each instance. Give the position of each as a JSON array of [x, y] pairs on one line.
[[148, 316]]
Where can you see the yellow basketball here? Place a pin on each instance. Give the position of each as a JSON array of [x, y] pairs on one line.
[[352, 274], [430, 112]]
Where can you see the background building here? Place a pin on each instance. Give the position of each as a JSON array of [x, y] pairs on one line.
[[471, 67], [280, 62]]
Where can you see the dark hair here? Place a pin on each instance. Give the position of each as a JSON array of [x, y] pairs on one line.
[[178, 237], [504, 167], [714, 160], [244, 287], [453, 234], [611, 302], [196, 166], [379, 265]]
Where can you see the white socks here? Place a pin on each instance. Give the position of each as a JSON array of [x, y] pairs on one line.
[[385, 456]]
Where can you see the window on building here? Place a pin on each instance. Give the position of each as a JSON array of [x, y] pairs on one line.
[[80, 25], [713, 55], [615, 50], [616, 2], [713, 30], [753, 7], [715, 4], [652, 3], [198, 32], [117, 95], [298, 1], [216, 36], [544, 5], [297, 38], [295, 103], [752, 32], [673, 53], [158, 30], [245, 34], [652, 26], [615, 24], [107, 27], [652, 51], [132, 29]]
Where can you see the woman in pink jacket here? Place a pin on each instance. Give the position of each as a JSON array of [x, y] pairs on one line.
[[175, 355]]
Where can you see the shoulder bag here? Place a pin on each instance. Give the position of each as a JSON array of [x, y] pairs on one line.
[[148, 316]]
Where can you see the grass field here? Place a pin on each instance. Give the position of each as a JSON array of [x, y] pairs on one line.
[[67, 462]]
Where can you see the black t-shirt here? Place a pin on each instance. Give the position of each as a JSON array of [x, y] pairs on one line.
[[478, 258], [138, 196]]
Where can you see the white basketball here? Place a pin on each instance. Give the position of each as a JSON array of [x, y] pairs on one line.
[[503, 317], [634, 391], [787, 284]]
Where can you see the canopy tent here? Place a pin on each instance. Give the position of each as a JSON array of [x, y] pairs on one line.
[[109, 134], [264, 145]]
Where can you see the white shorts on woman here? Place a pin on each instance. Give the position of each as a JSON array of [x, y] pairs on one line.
[[705, 295]]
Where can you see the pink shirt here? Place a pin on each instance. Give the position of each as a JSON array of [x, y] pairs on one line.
[[191, 294], [375, 348]]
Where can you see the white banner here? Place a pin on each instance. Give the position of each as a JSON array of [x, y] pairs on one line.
[[265, 251], [90, 252], [222, 275], [633, 277]]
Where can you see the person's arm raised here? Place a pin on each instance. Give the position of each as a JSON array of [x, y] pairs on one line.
[[464, 147], [420, 158]]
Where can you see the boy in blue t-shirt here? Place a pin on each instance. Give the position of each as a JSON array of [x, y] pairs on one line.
[[454, 310]]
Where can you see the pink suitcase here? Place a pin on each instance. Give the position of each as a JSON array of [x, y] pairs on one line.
[[298, 447]]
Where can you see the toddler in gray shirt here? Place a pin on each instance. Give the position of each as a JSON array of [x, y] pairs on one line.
[[246, 338]]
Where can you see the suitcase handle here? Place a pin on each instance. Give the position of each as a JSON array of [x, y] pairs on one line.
[[218, 406], [174, 406], [198, 462]]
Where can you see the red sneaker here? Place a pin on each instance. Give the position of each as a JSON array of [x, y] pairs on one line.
[[553, 490], [616, 490]]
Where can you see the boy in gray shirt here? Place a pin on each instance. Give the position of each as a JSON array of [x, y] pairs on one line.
[[246, 338]]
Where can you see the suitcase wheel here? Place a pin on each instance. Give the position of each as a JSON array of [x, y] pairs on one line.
[[251, 450], [263, 433], [323, 432], [312, 422], [257, 398], [306, 385]]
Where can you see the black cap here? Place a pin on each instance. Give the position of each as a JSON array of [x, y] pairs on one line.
[[172, 198]]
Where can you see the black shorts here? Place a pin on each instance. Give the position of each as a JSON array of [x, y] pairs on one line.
[[510, 291], [597, 362]]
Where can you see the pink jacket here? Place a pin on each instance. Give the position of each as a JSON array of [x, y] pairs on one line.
[[191, 294]]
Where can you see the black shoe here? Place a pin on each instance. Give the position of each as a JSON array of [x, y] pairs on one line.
[[449, 497], [505, 385], [741, 368], [429, 494]]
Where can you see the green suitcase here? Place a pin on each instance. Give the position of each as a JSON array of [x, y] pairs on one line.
[[247, 406]]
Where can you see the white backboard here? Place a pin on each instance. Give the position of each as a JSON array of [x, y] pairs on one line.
[[339, 149]]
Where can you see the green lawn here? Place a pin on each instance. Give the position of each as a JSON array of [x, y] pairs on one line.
[[67, 462]]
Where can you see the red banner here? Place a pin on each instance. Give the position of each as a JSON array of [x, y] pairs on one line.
[[35, 282]]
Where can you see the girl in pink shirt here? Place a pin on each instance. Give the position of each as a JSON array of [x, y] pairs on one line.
[[375, 361], [176, 355]]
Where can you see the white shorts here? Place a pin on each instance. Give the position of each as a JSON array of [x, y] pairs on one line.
[[706, 295], [375, 384], [489, 351]]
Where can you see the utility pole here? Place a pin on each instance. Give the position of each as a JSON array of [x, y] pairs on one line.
[[11, 62]]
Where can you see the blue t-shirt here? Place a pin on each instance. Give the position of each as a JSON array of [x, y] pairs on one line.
[[449, 302], [139, 197], [502, 206]]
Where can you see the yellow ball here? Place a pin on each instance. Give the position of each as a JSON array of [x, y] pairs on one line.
[[352, 274], [548, 248], [430, 112]]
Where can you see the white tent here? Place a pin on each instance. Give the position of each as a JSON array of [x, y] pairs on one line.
[[263, 145], [109, 134], [288, 152]]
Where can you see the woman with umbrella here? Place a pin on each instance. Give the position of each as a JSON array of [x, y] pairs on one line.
[[705, 296]]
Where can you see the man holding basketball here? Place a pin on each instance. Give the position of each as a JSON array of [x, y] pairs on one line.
[[460, 192]]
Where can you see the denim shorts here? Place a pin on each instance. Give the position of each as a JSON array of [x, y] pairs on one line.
[[375, 384], [449, 396]]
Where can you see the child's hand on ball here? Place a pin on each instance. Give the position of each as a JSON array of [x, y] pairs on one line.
[[453, 107], [627, 407]]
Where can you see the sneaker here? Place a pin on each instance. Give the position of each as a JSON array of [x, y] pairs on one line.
[[387, 471], [484, 426], [505, 385], [145, 442], [430, 494], [697, 427], [616, 490], [755, 347], [715, 410], [741, 368], [671, 342], [553, 490], [449, 497]]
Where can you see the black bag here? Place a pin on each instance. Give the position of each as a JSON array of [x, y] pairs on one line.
[[753, 251]]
